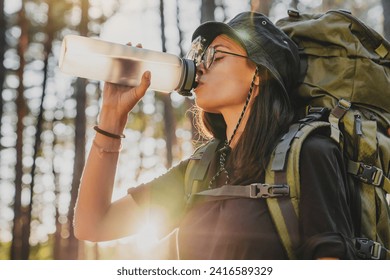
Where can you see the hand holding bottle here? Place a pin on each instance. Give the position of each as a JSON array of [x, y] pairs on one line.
[[119, 100]]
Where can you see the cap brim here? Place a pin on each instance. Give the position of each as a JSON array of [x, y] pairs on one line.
[[210, 30]]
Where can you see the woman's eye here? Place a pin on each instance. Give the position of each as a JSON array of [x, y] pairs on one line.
[[218, 58]]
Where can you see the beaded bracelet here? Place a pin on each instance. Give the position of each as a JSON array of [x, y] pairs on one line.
[[108, 134]]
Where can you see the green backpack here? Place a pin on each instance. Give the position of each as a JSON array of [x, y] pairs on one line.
[[345, 95]]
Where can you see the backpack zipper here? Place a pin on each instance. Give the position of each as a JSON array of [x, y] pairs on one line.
[[358, 125], [358, 133]]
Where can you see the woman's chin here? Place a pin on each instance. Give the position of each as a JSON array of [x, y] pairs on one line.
[[202, 101], [205, 106]]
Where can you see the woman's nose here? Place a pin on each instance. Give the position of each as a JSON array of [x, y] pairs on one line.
[[200, 70]]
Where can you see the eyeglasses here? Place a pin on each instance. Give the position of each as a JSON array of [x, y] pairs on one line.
[[208, 56]]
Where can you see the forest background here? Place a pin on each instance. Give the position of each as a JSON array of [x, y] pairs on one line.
[[46, 117]]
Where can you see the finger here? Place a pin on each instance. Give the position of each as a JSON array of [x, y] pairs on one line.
[[143, 86]]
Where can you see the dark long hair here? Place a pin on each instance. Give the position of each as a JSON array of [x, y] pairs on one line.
[[270, 116]]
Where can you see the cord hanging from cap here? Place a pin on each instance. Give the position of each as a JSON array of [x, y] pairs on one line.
[[225, 150]]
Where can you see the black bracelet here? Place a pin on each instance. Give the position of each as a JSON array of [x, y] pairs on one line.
[[108, 134]]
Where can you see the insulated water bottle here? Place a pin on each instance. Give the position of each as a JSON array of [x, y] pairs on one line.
[[121, 64]]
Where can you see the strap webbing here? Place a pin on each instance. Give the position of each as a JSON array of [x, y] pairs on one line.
[[285, 216], [281, 151], [284, 210], [369, 174], [387, 254], [197, 167], [374, 185], [256, 190], [335, 116], [383, 219], [386, 184], [368, 211], [207, 154]]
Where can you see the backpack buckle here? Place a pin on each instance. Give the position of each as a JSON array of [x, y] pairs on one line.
[[369, 249], [319, 110], [258, 190], [344, 104], [370, 174]]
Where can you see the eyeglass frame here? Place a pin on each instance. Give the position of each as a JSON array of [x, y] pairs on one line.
[[198, 51], [214, 51]]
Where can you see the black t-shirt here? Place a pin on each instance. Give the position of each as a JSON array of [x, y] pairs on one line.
[[240, 228]]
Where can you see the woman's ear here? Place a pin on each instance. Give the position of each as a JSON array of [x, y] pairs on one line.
[[257, 79], [256, 82]]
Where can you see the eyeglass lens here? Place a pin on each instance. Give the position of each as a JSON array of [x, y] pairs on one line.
[[208, 57]]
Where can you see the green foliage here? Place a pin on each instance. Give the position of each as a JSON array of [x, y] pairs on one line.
[[42, 251], [4, 250]]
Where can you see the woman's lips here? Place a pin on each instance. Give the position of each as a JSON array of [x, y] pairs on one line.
[[198, 81]]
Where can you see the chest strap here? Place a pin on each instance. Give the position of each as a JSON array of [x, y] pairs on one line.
[[256, 190]]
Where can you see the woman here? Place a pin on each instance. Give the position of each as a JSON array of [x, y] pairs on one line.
[[246, 72]]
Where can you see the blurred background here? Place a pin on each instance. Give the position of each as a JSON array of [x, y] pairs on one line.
[[46, 117]]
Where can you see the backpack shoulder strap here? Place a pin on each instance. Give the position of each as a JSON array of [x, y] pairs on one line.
[[197, 167], [283, 168]]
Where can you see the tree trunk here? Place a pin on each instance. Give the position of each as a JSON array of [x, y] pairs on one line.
[[261, 6], [170, 127], [386, 16], [39, 125], [72, 249], [169, 119], [294, 4], [20, 247], [58, 240], [188, 102], [3, 28], [180, 32], [207, 10]]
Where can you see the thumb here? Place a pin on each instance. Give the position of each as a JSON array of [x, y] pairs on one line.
[[143, 86], [145, 80]]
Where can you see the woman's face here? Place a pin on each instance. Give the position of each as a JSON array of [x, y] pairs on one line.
[[225, 85]]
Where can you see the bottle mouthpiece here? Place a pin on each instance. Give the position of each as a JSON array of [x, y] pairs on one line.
[[187, 82]]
